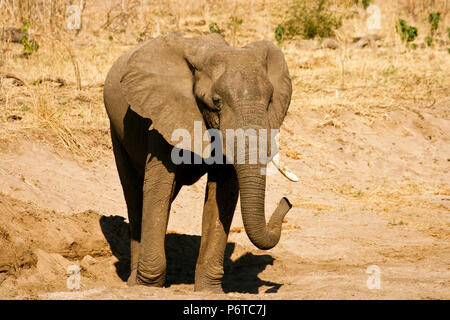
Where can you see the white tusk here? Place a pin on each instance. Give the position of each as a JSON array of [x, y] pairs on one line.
[[284, 169]]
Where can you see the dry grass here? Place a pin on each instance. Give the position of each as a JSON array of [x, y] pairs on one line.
[[110, 28]]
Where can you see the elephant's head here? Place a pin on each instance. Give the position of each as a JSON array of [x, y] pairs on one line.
[[175, 81]]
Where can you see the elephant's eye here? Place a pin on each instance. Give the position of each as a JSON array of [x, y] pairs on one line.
[[217, 102]]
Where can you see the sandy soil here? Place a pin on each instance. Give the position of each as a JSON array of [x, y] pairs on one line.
[[369, 194]]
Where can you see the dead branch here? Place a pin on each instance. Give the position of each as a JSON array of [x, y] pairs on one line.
[[58, 80], [62, 82], [9, 75]]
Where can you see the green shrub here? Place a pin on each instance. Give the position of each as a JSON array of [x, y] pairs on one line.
[[279, 34], [448, 34], [235, 24], [309, 19], [364, 3], [433, 19], [214, 28], [28, 46], [236, 21], [407, 33]]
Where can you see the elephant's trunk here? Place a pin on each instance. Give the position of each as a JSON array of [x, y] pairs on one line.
[[252, 184]]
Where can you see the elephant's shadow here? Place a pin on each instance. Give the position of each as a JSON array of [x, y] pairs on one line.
[[182, 250]]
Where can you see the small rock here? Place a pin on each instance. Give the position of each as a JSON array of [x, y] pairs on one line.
[[87, 261], [329, 43], [306, 44], [371, 39], [363, 42]]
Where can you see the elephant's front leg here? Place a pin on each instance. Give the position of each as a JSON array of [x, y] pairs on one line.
[[158, 192], [220, 203]]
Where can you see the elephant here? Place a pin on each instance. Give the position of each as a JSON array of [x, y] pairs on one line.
[[172, 82]]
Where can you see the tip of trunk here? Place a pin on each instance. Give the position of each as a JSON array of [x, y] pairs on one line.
[[285, 204], [273, 229]]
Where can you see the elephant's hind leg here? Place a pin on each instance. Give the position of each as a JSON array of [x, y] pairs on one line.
[[132, 189], [220, 203]]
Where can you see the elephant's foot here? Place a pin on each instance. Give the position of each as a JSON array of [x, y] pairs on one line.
[[137, 278], [150, 280], [208, 288], [208, 283]]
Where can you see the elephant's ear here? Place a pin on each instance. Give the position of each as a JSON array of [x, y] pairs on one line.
[[158, 84], [278, 74]]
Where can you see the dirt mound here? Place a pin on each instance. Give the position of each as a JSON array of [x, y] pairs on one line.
[[33, 160], [37, 246]]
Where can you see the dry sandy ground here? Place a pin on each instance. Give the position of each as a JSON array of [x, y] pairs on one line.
[[373, 194]]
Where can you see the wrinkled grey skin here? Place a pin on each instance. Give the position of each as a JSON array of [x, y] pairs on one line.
[[168, 83]]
